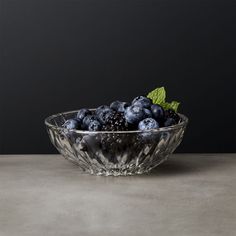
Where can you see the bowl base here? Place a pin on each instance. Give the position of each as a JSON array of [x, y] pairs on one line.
[[116, 172], [128, 171]]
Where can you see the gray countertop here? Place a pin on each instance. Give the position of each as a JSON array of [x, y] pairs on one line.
[[189, 195]]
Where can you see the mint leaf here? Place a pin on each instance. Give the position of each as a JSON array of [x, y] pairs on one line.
[[158, 95], [173, 105]]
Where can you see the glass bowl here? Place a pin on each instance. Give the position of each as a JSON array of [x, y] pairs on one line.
[[114, 152]]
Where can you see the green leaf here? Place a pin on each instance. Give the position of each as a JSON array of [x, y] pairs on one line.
[[158, 95], [173, 105]]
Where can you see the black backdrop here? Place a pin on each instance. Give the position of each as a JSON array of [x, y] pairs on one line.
[[61, 55]]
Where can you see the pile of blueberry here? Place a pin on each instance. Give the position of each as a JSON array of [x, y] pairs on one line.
[[141, 114]]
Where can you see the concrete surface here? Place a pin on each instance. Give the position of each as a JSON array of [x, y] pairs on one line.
[[189, 195]]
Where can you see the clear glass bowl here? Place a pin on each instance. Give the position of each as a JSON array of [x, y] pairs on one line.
[[114, 152]]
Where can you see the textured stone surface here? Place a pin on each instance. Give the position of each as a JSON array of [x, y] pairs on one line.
[[189, 195]]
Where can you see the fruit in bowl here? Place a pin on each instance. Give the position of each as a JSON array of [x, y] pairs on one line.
[[122, 138]]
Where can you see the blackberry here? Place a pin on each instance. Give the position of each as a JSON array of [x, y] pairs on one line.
[[115, 122], [169, 122], [171, 114], [113, 143]]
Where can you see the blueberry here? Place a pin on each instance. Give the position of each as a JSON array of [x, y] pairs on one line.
[[142, 101], [87, 120], [82, 113], [147, 124], [157, 112], [104, 115], [134, 114], [88, 143], [94, 125], [71, 124], [148, 113], [119, 106], [115, 105], [169, 122], [102, 108]]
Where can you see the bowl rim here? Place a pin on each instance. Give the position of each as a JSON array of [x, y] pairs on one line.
[[184, 122]]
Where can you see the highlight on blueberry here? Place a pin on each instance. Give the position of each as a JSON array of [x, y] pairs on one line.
[[87, 120], [148, 124], [101, 109], [94, 125], [134, 114], [119, 106], [82, 113], [157, 111], [142, 101], [71, 124]]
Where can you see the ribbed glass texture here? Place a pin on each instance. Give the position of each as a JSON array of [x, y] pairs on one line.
[[114, 153]]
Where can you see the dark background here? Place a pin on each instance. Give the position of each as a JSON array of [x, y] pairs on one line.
[[61, 55]]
